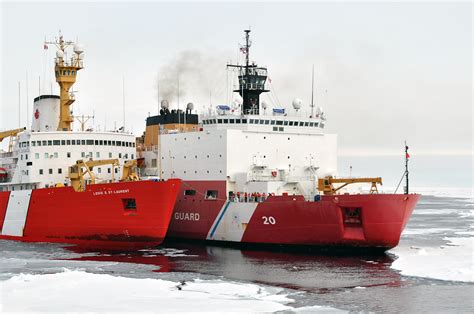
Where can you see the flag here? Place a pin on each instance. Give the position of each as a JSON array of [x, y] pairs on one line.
[[45, 47], [407, 155], [243, 50]]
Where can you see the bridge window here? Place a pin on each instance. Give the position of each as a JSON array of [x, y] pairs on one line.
[[279, 122], [306, 124], [63, 142], [322, 125], [68, 142], [56, 142], [316, 124], [285, 123], [231, 121], [301, 123]]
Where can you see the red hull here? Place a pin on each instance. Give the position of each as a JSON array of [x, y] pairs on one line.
[[377, 220], [99, 217]]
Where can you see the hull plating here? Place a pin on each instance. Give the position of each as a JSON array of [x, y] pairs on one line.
[[116, 215], [361, 220]]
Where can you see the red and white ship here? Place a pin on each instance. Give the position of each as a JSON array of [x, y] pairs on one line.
[[48, 175], [257, 175]]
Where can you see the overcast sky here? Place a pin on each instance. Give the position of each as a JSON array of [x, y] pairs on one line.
[[392, 71]]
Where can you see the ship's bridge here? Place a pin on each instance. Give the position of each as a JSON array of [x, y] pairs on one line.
[[265, 123]]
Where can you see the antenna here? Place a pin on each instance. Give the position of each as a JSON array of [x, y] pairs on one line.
[[312, 94], [158, 91], [123, 101], [179, 115], [27, 98], [19, 104], [407, 156]]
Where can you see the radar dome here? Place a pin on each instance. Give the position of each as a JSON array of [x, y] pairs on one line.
[[59, 54], [78, 49], [297, 103], [164, 104], [264, 105], [190, 106]]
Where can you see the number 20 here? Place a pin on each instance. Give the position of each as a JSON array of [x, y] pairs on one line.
[[270, 220]]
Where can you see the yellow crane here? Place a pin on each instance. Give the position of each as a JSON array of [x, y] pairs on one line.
[[81, 168], [326, 184], [76, 172], [10, 133], [129, 172]]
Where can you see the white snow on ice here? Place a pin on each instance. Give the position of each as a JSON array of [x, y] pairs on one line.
[[80, 291], [453, 261]]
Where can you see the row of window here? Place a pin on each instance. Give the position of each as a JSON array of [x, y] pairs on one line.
[[264, 122], [68, 155], [66, 72], [78, 142], [60, 170]]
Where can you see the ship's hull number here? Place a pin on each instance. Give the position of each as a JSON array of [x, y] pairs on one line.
[[270, 220]]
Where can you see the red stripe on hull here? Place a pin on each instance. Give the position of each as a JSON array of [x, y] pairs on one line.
[[98, 217], [4, 196]]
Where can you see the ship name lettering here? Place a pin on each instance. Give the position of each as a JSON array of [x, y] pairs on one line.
[[186, 216]]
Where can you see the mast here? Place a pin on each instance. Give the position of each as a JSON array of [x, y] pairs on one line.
[[247, 51], [66, 77], [407, 156], [312, 94], [251, 80]]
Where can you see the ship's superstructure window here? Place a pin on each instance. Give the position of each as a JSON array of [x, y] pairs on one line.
[[46, 155], [37, 155], [41, 171], [50, 171], [60, 170], [189, 192], [68, 154]]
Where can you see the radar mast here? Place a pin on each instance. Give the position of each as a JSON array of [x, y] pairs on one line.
[[251, 80], [66, 73]]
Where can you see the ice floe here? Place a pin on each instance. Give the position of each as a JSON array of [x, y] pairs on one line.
[[453, 261], [80, 291]]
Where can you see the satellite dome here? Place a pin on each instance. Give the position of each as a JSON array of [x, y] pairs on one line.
[[190, 106], [78, 49], [297, 103], [59, 54], [264, 105], [164, 104]]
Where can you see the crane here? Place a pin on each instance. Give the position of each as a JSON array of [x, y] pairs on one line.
[[76, 172], [129, 172], [326, 184], [10, 133], [81, 168]]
